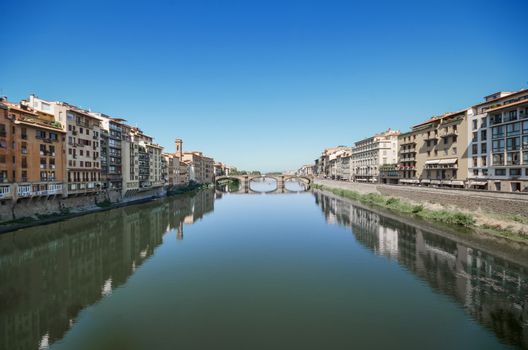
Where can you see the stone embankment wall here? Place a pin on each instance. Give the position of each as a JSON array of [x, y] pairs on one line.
[[31, 207], [493, 202]]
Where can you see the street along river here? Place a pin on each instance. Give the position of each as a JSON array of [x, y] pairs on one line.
[[249, 271]]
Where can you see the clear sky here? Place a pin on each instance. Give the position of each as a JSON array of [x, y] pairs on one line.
[[264, 84]]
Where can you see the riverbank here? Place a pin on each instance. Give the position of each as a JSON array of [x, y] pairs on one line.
[[513, 227], [46, 219]]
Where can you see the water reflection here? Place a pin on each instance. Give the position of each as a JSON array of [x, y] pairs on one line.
[[50, 273], [494, 291], [263, 184]]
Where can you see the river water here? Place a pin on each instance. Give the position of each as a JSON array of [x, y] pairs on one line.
[[248, 271]]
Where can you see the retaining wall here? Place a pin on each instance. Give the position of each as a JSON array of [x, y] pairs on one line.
[[494, 202]]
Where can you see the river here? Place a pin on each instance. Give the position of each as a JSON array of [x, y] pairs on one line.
[[247, 271]]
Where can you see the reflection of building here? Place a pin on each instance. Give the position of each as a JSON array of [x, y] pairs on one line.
[[50, 273], [491, 289]]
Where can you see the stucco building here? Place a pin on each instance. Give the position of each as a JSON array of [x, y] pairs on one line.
[[434, 152], [371, 153]]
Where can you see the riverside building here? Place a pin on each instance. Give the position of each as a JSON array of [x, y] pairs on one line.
[[371, 153], [111, 152], [498, 149], [32, 157], [434, 153], [83, 167]]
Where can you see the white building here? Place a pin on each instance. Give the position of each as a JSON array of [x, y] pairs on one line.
[[370, 153], [498, 142]]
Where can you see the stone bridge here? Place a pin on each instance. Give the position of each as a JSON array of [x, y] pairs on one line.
[[244, 181]]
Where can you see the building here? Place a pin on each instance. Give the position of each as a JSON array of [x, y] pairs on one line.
[[130, 161], [147, 160], [32, 156], [83, 167], [326, 165], [111, 152], [306, 170], [434, 153], [220, 169], [498, 149], [200, 168], [371, 153]]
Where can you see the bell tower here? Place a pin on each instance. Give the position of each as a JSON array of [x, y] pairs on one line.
[[179, 149]]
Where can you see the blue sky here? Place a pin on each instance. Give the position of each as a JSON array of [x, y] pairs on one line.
[[264, 84]]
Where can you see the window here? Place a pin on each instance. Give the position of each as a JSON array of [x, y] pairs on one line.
[[513, 144], [498, 145], [42, 150], [475, 124], [483, 148], [515, 172], [475, 162], [483, 123], [512, 115], [513, 129], [497, 132], [525, 158], [474, 148], [40, 134], [498, 159], [525, 127], [483, 135], [500, 172], [483, 161], [513, 158], [53, 136], [475, 136]]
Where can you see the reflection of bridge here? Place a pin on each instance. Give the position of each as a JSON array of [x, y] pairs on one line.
[[245, 180]]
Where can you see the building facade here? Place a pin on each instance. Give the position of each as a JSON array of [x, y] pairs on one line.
[[371, 153], [434, 153], [498, 150], [36, 157], [83, 166]]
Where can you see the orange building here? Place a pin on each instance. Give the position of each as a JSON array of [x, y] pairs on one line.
[[36, 151], [6, 154]]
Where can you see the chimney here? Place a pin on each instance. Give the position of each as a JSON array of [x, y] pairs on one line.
[[179, 149]]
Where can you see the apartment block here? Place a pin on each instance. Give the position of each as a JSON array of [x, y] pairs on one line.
[[371, 153], [83, 167], [326, 164], [33, 157], [498, 149], [111, 151], [434, 152]]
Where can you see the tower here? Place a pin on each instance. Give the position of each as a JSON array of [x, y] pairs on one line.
[[179, 149]]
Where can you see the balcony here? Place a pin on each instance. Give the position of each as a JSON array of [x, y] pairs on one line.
[[430, 137], [6, 191], [45, 188]]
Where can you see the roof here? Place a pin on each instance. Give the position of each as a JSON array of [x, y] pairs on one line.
[[507, 106], [501, 98]]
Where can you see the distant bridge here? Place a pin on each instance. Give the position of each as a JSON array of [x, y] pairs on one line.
[[244, 181]]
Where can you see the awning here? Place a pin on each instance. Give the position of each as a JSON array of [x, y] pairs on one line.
[[409, 181], [433, 161], [457, 183], [448, 161], [436, 182], [478, 183], [426, 181]]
